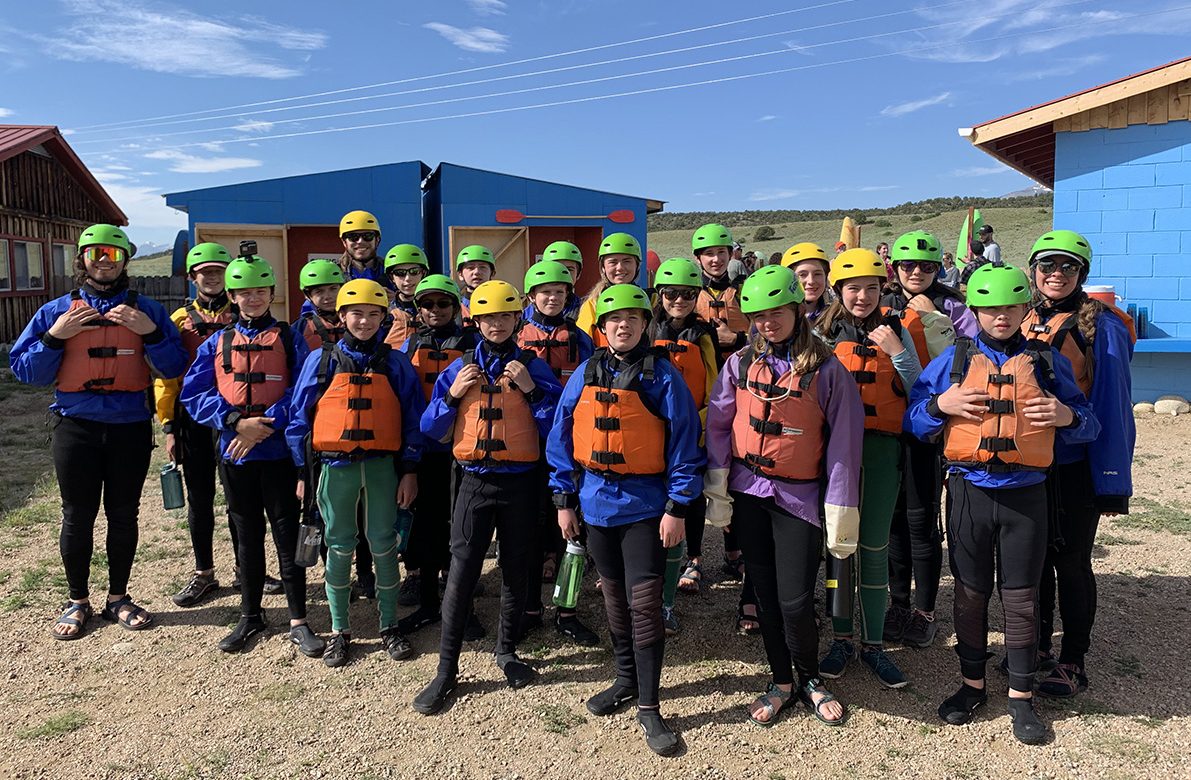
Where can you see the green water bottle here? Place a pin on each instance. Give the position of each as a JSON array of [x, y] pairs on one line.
[[570, 576], [172, 495], [402, 524]]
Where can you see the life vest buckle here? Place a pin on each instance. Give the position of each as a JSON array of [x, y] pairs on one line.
[[607, 423], [759, 461], [358, 434], [490, 389], [434, 354], [360, 379], [359, 404], [765, 427], [250, 378], [1039, 327], [606, 397], [491, 445], [870, 410], [864, 377], [674, 346], [252, 346], [997, 444], [864, 351], [1000, 405], [1001, 379], [101, 352], [606, 458], [492, 414]]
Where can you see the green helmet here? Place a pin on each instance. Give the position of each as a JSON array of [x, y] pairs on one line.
[[247, 273], [318, 272], [437, 283], [563, 250], [620, 244], [619, 297], [711, 234], [768, 288], [547, 272], [107, 235], [406, 254], [996, 284], [474, 253], [916, 245], [678, 272], [205, 253], [1066, 241]]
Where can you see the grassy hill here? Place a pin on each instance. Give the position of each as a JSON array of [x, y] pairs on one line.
[[1016, 229], [157, 264]]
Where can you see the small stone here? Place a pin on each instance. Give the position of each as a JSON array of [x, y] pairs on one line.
[[1143, 408], [123, 648], [1172, 405]]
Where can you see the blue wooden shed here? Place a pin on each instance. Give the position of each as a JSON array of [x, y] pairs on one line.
[[296, 218], [1118, 157]]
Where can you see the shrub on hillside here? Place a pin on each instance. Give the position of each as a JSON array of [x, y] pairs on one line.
[[764, 233]]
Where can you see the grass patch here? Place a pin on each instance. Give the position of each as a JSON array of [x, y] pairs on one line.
[[281, 692], [1085, 707], [1109, 540], [1128, 666], [1149, 515], [57, 726], [558, 719], [15, 602], [1122, 746], [32, 514]]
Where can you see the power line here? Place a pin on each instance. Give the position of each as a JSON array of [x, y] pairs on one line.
[[475, 82], [539, 58], [650, 90]]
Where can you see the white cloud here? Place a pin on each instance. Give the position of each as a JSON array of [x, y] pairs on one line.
[[981, 170], [147, 213], [143, 35], [763, 195], [767, 118], [701, 194], [481, 39], [188, 163], [254, 126], [778, 193], [1060, 68], [488, 7], [901, 109], [4, 112]]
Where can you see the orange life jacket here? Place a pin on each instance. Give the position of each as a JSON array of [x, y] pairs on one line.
[[779, 435], [252, 373], [404, 325], [912, 322], [109, 359], [559, 347], [685, 353], [616, 433], [1058, 327], [358, 412], [881, 389], [317, 332], [465, 315], [199, 325], [431, 356], [495, 422], [1004, 438], [725, 305]]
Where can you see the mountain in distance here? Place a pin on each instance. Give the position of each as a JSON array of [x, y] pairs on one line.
[[1037, 189]]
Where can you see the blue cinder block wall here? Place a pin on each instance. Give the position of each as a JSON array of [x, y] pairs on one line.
[[1129, 191]]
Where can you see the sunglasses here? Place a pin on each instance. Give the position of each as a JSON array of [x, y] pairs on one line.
[[402, 273], [96, 253], [436, 303], [368, 236], [925, 266], [685, 293], [1070, 268]]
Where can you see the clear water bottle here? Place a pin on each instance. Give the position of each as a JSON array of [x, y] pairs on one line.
[[310, 540], [570, 576], [839, 586], [403, 523], [172, 495]]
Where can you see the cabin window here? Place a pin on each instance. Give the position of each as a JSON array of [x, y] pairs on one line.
[[62, 256], [28, 268], [5, 278]]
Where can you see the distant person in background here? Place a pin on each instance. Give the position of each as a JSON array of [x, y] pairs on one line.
[[976, 253], [882, 251], [750, 261], [950, 275], [840, 247], [774, 259], [992, 250], [736, 266]]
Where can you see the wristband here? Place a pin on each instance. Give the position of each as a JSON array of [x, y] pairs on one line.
[[565, 501]]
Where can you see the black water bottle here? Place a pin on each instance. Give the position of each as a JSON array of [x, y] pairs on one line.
[[310, 539], [839, 586]]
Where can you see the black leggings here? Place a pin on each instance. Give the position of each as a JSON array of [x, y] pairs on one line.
[[915, 539], [997, 536], [696, 524], [487, 503], [1069, 562], [547, 539], [430, 537], [95, 460], [197, 455], [256, 490], [783, 565], [631, 562]]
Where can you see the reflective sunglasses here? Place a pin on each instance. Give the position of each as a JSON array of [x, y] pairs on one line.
[[402, 273], [367, 235], [96, 253], [436, 303], [925, 266], [1070, 268], [685, 293]]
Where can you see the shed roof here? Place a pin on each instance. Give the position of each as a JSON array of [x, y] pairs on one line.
[[15, 139], [1025, 140], [652, 205]]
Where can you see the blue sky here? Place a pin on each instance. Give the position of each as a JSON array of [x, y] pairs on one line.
[[859, 105]]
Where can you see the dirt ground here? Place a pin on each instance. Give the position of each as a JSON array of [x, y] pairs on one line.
[[166, 703]]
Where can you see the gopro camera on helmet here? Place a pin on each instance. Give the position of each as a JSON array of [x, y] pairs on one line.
[[247, 248]]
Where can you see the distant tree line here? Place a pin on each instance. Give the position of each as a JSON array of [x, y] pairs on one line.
[[690, 220]]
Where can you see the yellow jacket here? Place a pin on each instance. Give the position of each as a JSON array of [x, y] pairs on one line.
[[166, 391]]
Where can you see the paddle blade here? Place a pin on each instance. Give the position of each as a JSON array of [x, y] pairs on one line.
[[509, 216], [622, 216]]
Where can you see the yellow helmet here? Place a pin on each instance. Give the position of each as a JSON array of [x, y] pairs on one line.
[[494, 297], [855, 263], [804, 251], [361, 291], [357, 221]]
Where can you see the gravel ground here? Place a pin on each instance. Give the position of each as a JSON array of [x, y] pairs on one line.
[[166, 703]]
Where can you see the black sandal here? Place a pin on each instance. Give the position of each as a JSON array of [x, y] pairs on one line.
[[806, 696], [73, 608], [741, 617], [733, 567], [111, 613]]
